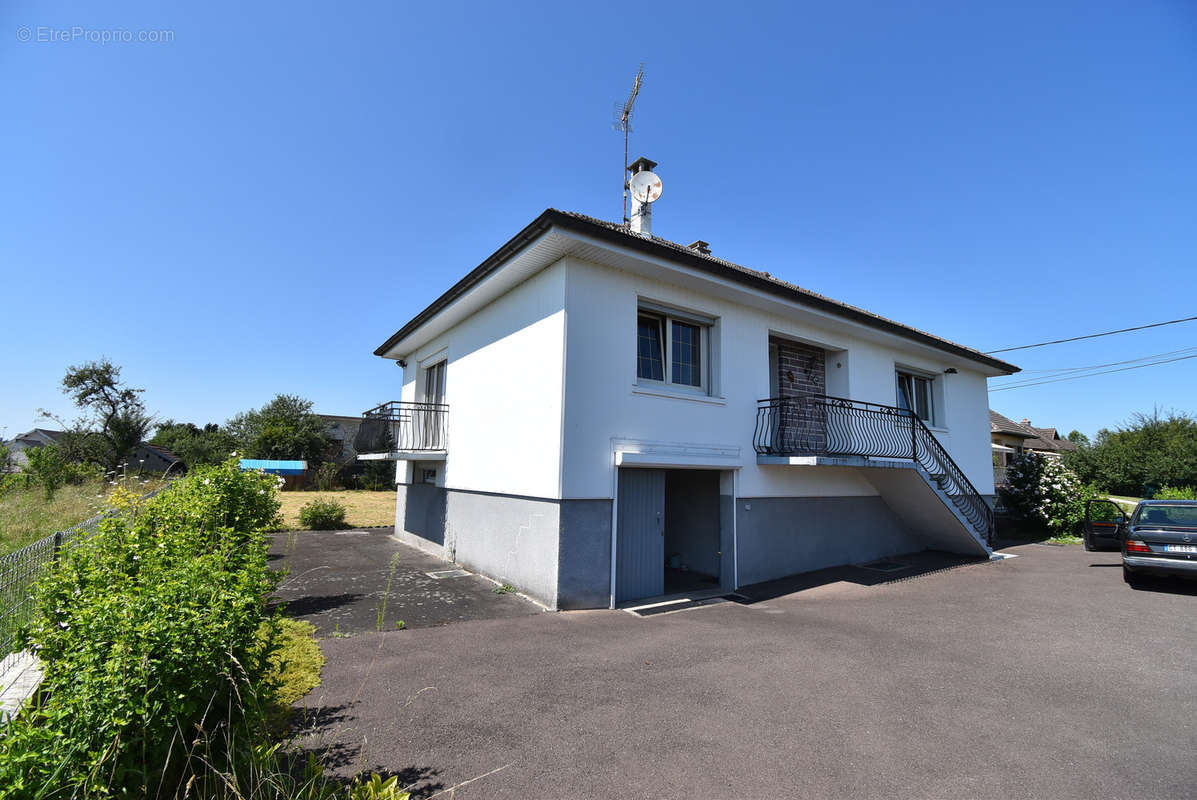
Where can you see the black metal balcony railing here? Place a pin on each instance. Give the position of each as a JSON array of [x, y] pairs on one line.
[[399, 426], [818, 425]]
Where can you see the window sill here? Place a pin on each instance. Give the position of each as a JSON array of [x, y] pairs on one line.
[[652, 391]]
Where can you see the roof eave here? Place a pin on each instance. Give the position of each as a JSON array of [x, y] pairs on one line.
[[552, 217]]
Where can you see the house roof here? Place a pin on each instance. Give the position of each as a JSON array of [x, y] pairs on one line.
[[617, 234], [1048, 439], [1044, 439], [161, 451], [1000, 424]]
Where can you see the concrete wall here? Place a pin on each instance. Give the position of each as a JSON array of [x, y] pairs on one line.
[[420, 517], [780, 536], [503, 386], [510, 539], [584, 554]]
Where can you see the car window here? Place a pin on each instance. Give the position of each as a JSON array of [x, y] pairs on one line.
[[1104, 512], [1180, 516]]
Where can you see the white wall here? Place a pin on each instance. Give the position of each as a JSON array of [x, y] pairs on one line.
[[503, 386], [602, 402]]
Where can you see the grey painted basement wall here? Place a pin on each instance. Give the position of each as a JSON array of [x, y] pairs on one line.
[[780, 536], [507, 538], [584, 556]]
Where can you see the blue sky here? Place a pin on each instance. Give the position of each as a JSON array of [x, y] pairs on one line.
[[255, 205]]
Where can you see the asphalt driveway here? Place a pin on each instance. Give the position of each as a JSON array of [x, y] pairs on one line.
[[360, 581], [1039, 676]]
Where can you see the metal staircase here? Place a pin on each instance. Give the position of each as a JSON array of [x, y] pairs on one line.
[[820, 425]]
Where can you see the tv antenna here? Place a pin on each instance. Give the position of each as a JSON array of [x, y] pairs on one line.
[[624, 123]]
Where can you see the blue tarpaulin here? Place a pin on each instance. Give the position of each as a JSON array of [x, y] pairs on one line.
[[275, 467]]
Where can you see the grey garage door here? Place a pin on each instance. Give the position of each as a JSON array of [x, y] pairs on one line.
[[640, 535]]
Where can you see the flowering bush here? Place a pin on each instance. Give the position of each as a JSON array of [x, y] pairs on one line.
[[1044, 491]]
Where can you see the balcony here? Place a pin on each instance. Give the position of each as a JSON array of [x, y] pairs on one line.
[[401, 430]]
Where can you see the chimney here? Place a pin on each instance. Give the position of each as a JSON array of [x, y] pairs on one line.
[[1026, 422], [700, 247], [641, 220]]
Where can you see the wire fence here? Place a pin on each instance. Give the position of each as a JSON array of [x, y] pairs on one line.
[[21, 569]]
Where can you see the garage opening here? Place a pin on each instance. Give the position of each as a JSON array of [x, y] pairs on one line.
[[671, 534], [692, 553]]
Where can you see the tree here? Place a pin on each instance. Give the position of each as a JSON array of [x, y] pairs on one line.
[[48, 468], [1151, 451], [1079, 439], [195, 446], [115, 420], [284, 428]]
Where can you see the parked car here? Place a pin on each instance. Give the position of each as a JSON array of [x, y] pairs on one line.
[[1104, 521], [1160, 539]]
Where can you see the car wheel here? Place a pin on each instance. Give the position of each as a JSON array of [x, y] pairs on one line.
[[1089, 546], [1128, 576]]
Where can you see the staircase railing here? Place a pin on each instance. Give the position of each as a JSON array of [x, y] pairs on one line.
[[819, 425]]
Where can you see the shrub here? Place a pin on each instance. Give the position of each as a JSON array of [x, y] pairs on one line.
[[1177, 493], [296, 662], [322, 515], [1043, 491], [150, 633]]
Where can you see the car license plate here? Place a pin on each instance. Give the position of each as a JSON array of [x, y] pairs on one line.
[[1180, 548]]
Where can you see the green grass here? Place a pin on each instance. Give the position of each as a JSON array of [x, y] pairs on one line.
[[363, 509], [26, 515]]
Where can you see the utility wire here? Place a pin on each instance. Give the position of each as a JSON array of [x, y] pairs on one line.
[[1091, 375], [1044, 374], [1090, 336]]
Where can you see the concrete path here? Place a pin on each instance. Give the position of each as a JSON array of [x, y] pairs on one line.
[[1038, 676], [339, 580]]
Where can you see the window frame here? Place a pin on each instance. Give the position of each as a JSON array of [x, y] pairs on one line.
[[666, 317], [438, 364], [915, 377]]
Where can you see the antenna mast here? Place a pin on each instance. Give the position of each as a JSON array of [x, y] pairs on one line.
[[624, 123]]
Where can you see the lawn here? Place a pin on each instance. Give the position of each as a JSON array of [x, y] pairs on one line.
[[26, 515], [363, 509]]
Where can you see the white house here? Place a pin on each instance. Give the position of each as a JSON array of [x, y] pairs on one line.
[[597, 415]]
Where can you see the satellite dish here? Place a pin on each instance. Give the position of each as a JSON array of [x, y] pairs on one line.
[[645, 186]]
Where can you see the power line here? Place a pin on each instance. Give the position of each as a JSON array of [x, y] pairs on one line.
[[1092, 375], [1044, 374], [1090, 336]]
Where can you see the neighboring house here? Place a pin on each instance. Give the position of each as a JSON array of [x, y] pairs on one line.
[[1009, 439], [38, 437], [153, 458], [342, 431], [582, 416], [147, 457]]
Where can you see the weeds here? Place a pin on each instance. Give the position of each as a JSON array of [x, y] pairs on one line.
[[386, 593], [506, 588]]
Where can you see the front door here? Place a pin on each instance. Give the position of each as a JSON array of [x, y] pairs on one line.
[[640, 535]]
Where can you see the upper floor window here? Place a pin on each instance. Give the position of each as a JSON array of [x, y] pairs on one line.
[[914, 394], [672, 348], [434, 383]]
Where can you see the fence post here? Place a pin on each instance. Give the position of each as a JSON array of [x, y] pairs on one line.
[[914, 441], [57, 544]]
